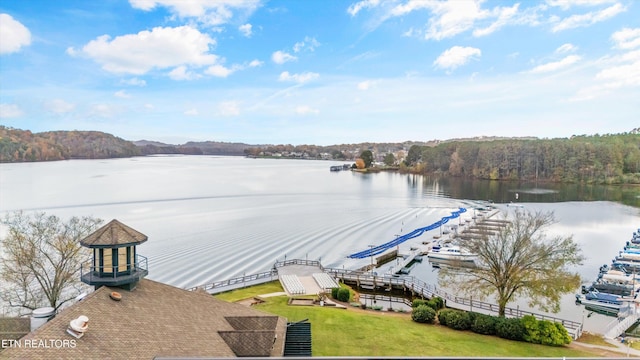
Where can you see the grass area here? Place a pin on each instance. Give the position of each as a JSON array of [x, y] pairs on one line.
[[244, 293], [589, 338], [353, 332]]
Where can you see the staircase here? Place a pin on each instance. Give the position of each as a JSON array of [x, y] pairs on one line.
[[619, 327]]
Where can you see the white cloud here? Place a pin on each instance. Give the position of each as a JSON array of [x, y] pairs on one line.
[[299, 78], [122, 94], [354, 9], [566, 4], [452, 18], [621, 71], [589, 18], [255, 63], [229, 108], [626, 38], [565, 48], [159, 48], [306, 110], [134, 82], [245, 30], [10, 111], [219, 71], [456, 56], [182, 73], [13, 35], [102, 110], [281, 57], [556, 65], [366, 85], [59, 106], [309, 44], [505, 16], [211, 13], [191, 112]]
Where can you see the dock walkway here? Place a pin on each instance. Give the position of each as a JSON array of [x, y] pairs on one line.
[[305, 269]]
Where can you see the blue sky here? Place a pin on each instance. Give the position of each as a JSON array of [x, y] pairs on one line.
[[320, 72]]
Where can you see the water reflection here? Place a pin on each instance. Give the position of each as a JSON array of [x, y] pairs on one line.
[[505, 191]]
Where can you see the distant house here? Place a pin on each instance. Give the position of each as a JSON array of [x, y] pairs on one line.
[[130, 317]]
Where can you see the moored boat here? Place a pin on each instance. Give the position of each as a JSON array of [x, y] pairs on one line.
[[451, 253]]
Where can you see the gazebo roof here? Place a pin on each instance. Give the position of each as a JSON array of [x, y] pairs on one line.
[[114, 234]]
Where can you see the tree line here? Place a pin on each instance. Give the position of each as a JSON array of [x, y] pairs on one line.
[[605, 159]]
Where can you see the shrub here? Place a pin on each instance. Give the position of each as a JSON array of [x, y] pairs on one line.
[[532, 333], [459, 320], [443, 316], [510, 328], [544, 332], [423, 314], [363, 306], [418, 302], [377, 307], [566, 338], [436, 303], [334, 292], [484, 324], [343, 294]]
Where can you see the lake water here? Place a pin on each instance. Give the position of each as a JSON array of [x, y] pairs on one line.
[[211, 218]]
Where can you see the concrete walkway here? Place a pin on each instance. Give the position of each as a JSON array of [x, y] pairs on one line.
[[617, 347]]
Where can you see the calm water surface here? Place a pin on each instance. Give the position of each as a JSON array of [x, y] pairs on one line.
[[212, 218]]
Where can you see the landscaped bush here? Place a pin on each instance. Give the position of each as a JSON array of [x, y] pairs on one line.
[[418, 302], [484, 324], [423, 314], [436, 303], [377, 307], [531, 333], [443, 315], [544, 332], [510, 328], [459, 320], [334, 292], [343, 294]]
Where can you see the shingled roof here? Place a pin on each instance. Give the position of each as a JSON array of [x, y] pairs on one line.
[[158, 320], [114, 234]]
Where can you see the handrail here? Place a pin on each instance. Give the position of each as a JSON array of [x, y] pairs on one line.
[[141, 263], [416, 285]]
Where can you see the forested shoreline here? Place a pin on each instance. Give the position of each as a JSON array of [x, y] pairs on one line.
[[598, 159], [602, 159]]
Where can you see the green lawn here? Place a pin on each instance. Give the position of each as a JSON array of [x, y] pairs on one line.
[[339, 332]]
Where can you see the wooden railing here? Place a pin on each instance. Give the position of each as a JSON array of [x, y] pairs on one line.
[[253, 278], [422, 289], [417, 286]]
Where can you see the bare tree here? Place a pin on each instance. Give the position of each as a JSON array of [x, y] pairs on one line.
[[40, 259], [520, 261]]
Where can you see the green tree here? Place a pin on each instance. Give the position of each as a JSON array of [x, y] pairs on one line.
[[389, 159], [41, 257], [520, 261], [367, 157], [414, 155]]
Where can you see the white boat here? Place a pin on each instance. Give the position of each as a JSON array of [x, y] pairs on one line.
[[451, 253]]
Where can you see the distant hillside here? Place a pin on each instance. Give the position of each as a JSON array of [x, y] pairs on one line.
[[193, 148], [22, 145]]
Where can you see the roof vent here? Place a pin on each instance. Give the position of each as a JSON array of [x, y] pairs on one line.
[[77, 327], [40, 316]]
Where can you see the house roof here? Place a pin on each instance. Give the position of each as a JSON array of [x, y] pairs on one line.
[[157, 320], [114, 234], [14, 328]]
